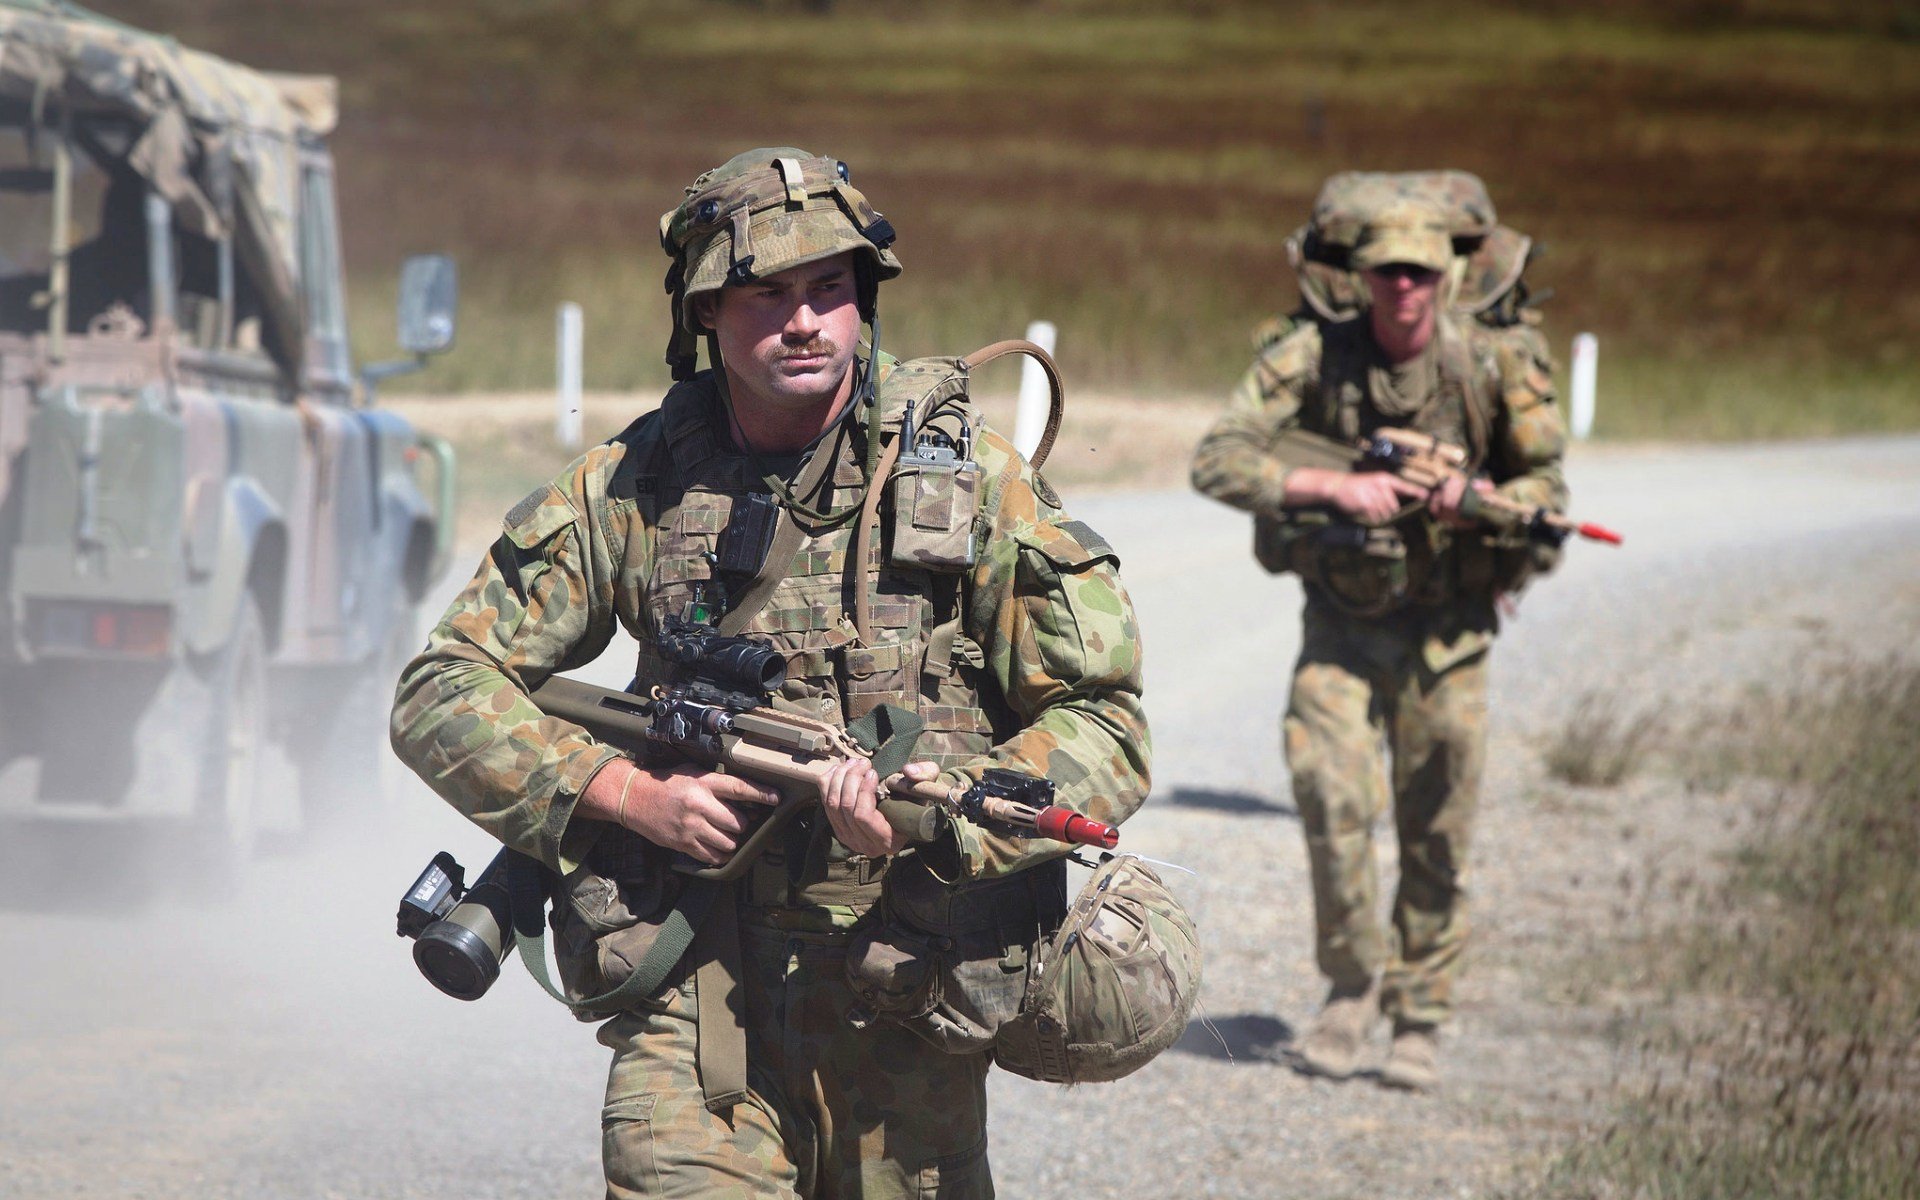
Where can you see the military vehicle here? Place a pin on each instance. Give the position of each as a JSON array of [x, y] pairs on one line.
[[212, 544]]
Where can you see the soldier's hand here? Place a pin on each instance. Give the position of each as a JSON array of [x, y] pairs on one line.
[[850, 791], [685, 808], [1373, 496], [1444, 503]]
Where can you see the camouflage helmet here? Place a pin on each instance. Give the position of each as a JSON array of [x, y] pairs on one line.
[[760, 213], [1111, 989]]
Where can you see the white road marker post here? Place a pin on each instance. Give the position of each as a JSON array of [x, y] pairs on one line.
[[569, 335], [1586, 367], [1030, 418]]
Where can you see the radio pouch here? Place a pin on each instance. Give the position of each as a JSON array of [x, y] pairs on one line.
[[935, 496]]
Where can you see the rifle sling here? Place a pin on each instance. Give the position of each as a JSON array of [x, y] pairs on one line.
[[718, 996], [704, 913], [528, 896], [720, 1002]]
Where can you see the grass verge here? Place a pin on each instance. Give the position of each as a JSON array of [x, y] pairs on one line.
[[1783, 1061], [1725, 188]]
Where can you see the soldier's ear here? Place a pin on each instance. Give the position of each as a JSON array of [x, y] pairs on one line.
[[706, 306]]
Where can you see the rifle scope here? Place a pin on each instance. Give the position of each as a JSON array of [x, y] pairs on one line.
[[737, 664]]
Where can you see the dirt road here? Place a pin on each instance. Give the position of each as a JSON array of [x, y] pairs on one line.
[[281, 1045]]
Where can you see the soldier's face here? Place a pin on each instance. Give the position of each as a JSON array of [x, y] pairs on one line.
[[1403, 294], [789, 338]]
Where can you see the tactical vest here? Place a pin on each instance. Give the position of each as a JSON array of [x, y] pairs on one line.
[[918, 655], [1414, 560]]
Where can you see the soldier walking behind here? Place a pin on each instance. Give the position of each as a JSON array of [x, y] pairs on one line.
[[1400, 610], [739, 502]]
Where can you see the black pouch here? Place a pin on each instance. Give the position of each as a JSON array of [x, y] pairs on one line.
[[743, 544]]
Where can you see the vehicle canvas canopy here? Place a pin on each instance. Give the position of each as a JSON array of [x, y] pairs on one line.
[[221, 144]]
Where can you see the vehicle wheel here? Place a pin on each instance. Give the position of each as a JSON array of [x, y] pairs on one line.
[[232, 748]]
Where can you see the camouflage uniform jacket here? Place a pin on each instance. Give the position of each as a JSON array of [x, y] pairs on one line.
[[1030, 660], [1492, 392]]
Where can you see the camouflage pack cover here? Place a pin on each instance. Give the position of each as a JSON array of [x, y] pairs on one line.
[[1492, 255], [1112, 989], [196, 115], [762, 212]]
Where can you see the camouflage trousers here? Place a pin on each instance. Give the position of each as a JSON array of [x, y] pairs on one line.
[[834, 1112], [1364, 697]]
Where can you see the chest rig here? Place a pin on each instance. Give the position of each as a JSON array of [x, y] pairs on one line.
[[1413, 560], [868, 609], [1456, 412]]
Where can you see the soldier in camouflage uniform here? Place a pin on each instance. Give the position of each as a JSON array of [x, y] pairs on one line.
[[1400, 614], [1029, 659]]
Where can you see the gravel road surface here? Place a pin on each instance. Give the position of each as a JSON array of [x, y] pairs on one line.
[[281, 1044]]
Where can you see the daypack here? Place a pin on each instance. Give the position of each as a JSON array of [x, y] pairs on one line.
[[1492, 261]]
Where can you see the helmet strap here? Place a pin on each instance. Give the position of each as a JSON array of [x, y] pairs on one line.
[[869, 415]]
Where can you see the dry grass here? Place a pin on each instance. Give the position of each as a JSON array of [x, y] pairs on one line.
[[1601, 744], [1725, 186], [1779, 1058]]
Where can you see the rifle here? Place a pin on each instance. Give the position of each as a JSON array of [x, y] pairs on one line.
[[1428, 462], [724, 718]]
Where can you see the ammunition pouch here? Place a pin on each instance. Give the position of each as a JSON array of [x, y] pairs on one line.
[[952, 961], [1497, 562]]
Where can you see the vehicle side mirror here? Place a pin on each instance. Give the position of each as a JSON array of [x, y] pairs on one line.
[[429, 293]]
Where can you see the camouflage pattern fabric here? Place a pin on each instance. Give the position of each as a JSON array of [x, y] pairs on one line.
[[1046, 678], [833, 1111], [1408, 684], [1359, 688], [773, 208], [1491, 259], [1348, 202], [1037, 668], [188, 110], [1326, 379]]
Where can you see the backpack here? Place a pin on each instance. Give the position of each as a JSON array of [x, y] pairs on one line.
[[1488, 277], [1487, 286]]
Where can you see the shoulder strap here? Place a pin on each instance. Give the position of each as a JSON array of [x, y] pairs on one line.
[[1459, 363], [788, 537], [1341, 362], [1057, 402]]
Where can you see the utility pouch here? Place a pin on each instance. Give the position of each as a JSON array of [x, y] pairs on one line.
[[1504, 562], [951, 961], [1277, 541], [608, 913], [935, 495], [1368, 571]]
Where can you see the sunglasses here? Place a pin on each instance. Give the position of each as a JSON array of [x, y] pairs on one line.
[[1407, 271]]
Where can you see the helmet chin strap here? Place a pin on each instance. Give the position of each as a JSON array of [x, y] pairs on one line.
[[863, 400]]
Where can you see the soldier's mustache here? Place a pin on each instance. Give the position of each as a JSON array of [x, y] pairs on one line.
[[812, 348]]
